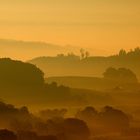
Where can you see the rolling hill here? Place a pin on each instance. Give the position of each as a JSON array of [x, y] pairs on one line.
[[92, 66]]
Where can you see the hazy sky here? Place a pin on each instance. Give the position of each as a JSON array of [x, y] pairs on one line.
[[103, 25]]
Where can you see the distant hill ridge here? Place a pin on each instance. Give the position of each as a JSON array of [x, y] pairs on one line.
[[91, 66], [25, 50]]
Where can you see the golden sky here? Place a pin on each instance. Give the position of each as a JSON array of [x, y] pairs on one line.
[[106, 25]]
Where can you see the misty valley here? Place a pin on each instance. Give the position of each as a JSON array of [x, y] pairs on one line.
[[70, 97], [69, 69]]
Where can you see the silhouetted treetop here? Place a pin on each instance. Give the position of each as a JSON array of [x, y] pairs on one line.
[[122, 52], [19, 73], [10, 111]]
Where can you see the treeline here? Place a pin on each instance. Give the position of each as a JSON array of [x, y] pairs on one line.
[[132, 53], [52, 124], [20, 124]]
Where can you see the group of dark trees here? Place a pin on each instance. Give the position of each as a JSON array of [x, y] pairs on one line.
[[120, 75], [109, 119], [48, 125]]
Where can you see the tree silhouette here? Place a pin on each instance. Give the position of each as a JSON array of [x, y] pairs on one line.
[[120, 75], [19, 73], [122, 52], [114, 118]]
